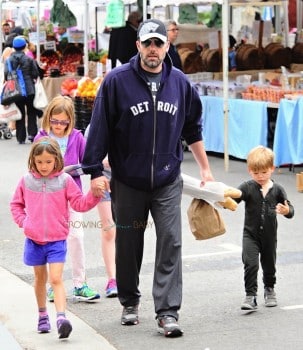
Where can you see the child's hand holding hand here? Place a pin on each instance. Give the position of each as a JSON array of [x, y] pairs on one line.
[[282, 209]]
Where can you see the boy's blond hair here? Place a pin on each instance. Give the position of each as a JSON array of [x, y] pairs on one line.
[[260, 158]]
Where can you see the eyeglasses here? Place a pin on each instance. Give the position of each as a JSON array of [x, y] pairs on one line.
[[173, 30], [60, 122], [148, 42]]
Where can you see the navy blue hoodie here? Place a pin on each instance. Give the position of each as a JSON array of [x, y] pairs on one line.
[[142, 138]]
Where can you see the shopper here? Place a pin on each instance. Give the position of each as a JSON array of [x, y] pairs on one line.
[[30, 73], [172, 34], [140, 129], [59, 123], [40, 207], [264, 199], [122, 41]]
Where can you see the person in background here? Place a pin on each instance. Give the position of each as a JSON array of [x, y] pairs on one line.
[[6, 29], [30, 73], [62, 33], [40, 207], [172, 34], [62, 37], [264, 199], [59, 123], [31, 50], [16, 31], [122, 41], [232, 53], [140, 130]]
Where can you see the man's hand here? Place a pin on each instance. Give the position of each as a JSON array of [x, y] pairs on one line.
[[206, 175], [99, 186]]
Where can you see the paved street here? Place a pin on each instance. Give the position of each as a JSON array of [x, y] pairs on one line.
[[213, 280]]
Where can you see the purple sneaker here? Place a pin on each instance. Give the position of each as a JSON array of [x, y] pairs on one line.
[[64, 328], [111, 289], [43, 324]]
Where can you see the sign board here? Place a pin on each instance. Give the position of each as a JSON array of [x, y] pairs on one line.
[[50, 45], [33, 37], [213, 40], [76, 36]]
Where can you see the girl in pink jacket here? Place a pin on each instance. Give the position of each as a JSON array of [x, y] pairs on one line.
[[40, 206]]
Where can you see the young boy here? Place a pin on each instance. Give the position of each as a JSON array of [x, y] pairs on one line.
[[264, 199]]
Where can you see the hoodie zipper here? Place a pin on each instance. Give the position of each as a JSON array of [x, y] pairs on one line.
[[44, 209], [154, 142]]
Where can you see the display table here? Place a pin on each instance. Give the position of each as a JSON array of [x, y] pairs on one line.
[[52, 86], [288, 138], [247, 125]]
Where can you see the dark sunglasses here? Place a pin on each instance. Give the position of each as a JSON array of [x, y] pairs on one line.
[[60, 122], [148, 42]]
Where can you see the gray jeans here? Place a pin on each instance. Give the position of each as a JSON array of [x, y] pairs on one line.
[[131, 209]]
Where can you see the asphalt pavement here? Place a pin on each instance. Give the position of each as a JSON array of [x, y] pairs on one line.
[[213, 280]]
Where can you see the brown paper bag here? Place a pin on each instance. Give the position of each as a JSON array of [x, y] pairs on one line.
[[299, 182], [204, 220]]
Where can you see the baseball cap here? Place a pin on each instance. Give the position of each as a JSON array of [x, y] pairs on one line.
[[152, 28], [19, 42]]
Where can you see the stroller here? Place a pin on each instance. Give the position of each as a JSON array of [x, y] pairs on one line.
[[5, 131], [7, 114]]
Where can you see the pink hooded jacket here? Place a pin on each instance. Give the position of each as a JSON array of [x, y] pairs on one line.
[[40, 205]]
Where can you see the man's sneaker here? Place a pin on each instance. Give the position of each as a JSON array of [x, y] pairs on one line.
[[270, 297], [64, 328], [249, 303], [169, 326], [130, 315], [85, 294], [50, 294], [43, 324], [111, 289]]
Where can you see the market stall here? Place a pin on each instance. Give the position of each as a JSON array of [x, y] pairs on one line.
[[288, 137]]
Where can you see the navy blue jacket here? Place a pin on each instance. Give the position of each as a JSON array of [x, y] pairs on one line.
[[142, 138]]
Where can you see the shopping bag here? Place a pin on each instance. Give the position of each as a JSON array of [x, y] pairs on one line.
[[204, 220], [14, 88], [9, 113], [40, 99]]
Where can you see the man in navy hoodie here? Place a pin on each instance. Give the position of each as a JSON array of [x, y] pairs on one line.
[[142, 110]]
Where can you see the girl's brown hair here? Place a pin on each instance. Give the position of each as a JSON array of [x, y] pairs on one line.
[[48, 145], [59, 104]]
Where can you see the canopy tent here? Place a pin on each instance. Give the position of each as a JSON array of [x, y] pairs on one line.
[[162, 3], [225, 43]]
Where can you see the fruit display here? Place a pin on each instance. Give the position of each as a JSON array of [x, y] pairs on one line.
[[72, 57], [270, 94], [69, 87], [51, 60], [88, 87], [85, 87], [98, 56]]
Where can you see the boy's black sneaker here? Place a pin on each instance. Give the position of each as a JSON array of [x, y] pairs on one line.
[[270, 297], [249, 303], [130, 315], [169, 326]]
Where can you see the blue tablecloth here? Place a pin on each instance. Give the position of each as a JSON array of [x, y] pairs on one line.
[[247, 125], [288, 138]]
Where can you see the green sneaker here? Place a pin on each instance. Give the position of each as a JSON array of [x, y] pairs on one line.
[[85, 294], [50, 294]]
